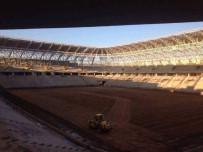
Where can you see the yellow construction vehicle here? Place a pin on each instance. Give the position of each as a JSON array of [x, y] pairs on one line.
[[99, 123]]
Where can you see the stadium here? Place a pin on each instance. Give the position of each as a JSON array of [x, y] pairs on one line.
[[150, 91], [172, 63]]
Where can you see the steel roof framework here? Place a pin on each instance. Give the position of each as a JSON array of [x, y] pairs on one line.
[[182, 48]]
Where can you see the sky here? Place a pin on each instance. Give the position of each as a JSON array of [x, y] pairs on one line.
[[102, 36]]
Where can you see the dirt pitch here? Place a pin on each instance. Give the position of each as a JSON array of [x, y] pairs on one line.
[[142, 120]]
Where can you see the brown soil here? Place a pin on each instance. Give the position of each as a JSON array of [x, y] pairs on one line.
[[142, 120]]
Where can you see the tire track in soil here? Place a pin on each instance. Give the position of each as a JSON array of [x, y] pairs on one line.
[[120, 112], [126, 136], [119, 118]]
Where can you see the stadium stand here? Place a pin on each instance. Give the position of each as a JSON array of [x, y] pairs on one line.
[[98, 69], [163, 63], [116, 69], [184, 82]]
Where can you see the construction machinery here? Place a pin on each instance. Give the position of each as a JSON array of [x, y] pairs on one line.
[[99, 123]]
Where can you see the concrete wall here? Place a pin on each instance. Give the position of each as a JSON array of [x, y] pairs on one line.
[[183, 83], [40, 81]]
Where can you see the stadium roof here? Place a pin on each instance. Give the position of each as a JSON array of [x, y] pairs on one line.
[[181, 48], [160, 42]]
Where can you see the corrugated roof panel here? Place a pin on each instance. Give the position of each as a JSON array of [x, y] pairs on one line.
[[23, 44], [11, 43], [35, 45], [45, 46], [55, 47], [64, 48]]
